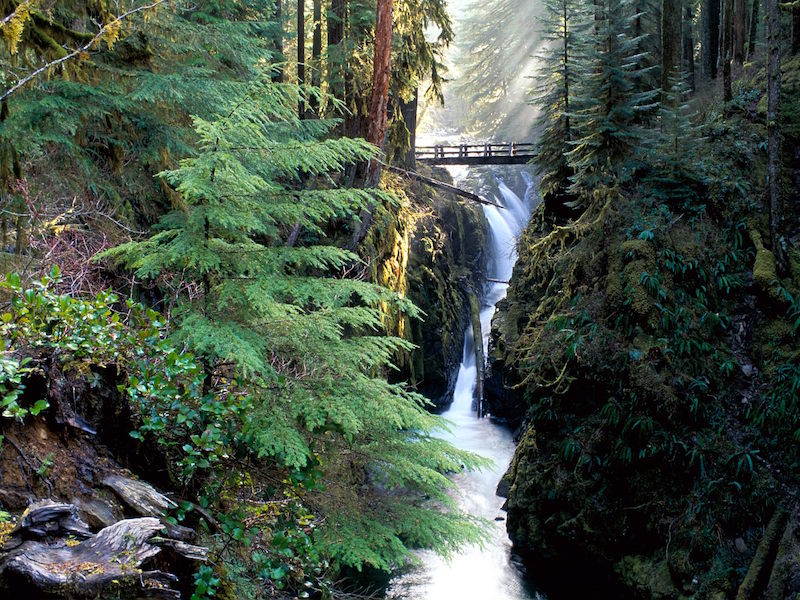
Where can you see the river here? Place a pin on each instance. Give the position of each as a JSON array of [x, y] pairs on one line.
[[489, 572]]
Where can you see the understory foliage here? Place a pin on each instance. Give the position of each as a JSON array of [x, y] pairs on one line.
[[652, 336], [279, 327], [262, 380]]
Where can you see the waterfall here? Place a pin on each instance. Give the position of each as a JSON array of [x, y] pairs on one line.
[[487, 573]]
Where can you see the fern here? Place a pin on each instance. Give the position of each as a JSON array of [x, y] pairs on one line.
[[303, 340]]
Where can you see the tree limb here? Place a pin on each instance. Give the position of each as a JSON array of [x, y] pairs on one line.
[[101, 32]]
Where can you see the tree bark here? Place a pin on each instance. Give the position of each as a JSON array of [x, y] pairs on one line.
[[565, 64], [738, 30], [773, 126], [670, 45], [727, 50], [720, 50], [337, 17], [688, 46], [316, 55], [795, 31], [278, 43], [710, 46], [301, 53], [378, 106], [409, 112], [381, 70], [751, 46]]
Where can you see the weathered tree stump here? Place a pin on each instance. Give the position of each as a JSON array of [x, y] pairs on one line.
[[108, 564], [48, 518]]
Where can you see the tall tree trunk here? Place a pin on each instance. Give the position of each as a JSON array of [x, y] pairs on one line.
[[710, 46], [316, 55], [381, 70], [409, 112], [10, 173], [336, 21], [688, 46], [720, 47], [565, 63], [795, 31], [301, 52], [727, 49], [738, 30], [379, 104], [277, 76], [751, 46], [773, 126], [670, 46]]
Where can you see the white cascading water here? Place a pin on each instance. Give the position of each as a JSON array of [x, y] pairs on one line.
[[488, 572]]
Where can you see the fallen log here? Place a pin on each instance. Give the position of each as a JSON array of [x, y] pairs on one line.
[[105, 565], [444, 186]]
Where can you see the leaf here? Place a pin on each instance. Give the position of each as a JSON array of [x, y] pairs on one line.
[[39, 406]]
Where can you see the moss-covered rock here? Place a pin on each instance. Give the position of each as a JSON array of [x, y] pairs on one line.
[[648, 579], [430, 249], [765, 272], [654, 360]]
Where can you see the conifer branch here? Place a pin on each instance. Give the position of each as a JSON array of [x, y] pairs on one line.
[[95, 40]]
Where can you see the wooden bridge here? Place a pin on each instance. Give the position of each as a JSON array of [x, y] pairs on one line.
[[512, 153]]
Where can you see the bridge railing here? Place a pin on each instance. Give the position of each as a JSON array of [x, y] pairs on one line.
[[474, 150]]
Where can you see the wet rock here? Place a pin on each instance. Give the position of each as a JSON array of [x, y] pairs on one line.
[[111, 563], [504, 485]]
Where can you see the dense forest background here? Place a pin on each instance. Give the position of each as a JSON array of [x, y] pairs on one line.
[[216, 287]]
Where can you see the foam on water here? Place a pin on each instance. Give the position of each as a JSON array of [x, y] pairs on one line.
[[487, 573]]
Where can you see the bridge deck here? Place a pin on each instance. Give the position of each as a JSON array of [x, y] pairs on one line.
[[476, 154]]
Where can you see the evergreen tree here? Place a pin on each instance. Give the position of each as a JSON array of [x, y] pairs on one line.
[[564, 24], [498, 46], [118, 110], [676, 169], [609, 109], [302, 340], [415, 60]]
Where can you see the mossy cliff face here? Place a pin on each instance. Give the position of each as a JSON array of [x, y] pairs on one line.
[[656, 353], [431, 250]]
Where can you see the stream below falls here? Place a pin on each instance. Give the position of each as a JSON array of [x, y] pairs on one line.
[[489, 572]]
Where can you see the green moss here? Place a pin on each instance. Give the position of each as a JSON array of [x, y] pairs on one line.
[[764, 270], [428, 249], [638, 258], [648, 578], [794, 266]]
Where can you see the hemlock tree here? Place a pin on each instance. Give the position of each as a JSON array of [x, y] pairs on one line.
[[499, 42], [677, 171], [108, 117], [303, 340], [609, 105], [564, 22]]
